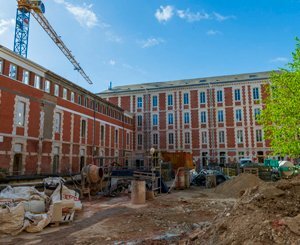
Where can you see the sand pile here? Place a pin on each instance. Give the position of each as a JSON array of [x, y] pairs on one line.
[[236, 186], [268, 213]]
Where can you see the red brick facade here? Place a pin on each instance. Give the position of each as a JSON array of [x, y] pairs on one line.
[[59, 128], [220, 127]]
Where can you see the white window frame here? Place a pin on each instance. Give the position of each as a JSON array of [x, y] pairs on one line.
[[220, 116], [202, 97], [21, 114], [155, 139], [203, 116], [259, 135], [154, 100], [240, 136], [47, 86], [56, 90], [65, 94], [186, 117], [221, 137], [154, 120], [170, 118], [219, 96], [140, 139], [57, 122], [139, 102], [255, 93], [170, 100], [257, 112], [37, 81], [26, 77], [72, 97], [171, 138], [187, 138], [238, 115], [237, 94], [186, 99], [1, 66], [13, 72]]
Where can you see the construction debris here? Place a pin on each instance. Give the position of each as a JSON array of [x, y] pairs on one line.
[[25, 208]]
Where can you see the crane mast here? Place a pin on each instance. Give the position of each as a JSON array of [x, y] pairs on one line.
[[37, 9]]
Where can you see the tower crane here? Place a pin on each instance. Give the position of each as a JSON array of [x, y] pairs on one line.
[[37, 9]]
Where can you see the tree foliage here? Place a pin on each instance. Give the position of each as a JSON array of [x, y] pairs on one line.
[[281, 115]]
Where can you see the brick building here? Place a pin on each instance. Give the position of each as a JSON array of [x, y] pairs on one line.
[[214, 118], [50, 125]]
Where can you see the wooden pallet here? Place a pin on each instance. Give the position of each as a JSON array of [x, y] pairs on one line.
[[251, 171]]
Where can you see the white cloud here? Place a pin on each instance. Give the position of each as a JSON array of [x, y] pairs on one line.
[[150, 42], [221, 18], [112, 37], [6, 24], [112, 62], [164, 14], [213, 32], [279, 60], [83, 14], [192, 17]]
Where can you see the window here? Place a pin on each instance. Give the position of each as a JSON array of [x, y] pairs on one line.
[[170, 118], [202, 98], [1, 66], [203, 116], [220, 96], [37, 82], [127, 138], [154, 101], [186, 117], [154, 120], [187, 138], [65, 93], [139, 102], [140, 139], [12, 71], [185, 98], [140, 120], [79, 100], [155, 139], [221, 116], [170, 99], [116, 136], [25, 78], [57, 124], [238, 115], [83, 128], [102, 133], [171, 138], [221, 137], [237, 94], [255, 94], [256, 113], [21, 113], [72, 97], [86, 102], [47, 86], [56, 90], [204, 137], [258, 135], [239, 136]]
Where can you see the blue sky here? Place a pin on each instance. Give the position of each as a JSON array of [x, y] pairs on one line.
[[136, 41]]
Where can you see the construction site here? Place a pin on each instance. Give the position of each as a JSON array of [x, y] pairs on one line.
[[175, 162]]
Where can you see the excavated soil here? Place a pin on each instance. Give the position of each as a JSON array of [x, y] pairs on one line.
[[268, 213]]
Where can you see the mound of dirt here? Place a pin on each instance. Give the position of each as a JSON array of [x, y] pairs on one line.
[[268, 213], [236, 186]]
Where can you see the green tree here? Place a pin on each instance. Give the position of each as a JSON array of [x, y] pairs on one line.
[[281, 115]]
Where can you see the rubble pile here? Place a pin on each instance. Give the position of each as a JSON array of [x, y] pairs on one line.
[[234, 187], [268, 213]]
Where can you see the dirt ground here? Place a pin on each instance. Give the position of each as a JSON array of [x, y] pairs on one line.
[[243, 210], [166, 219]]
